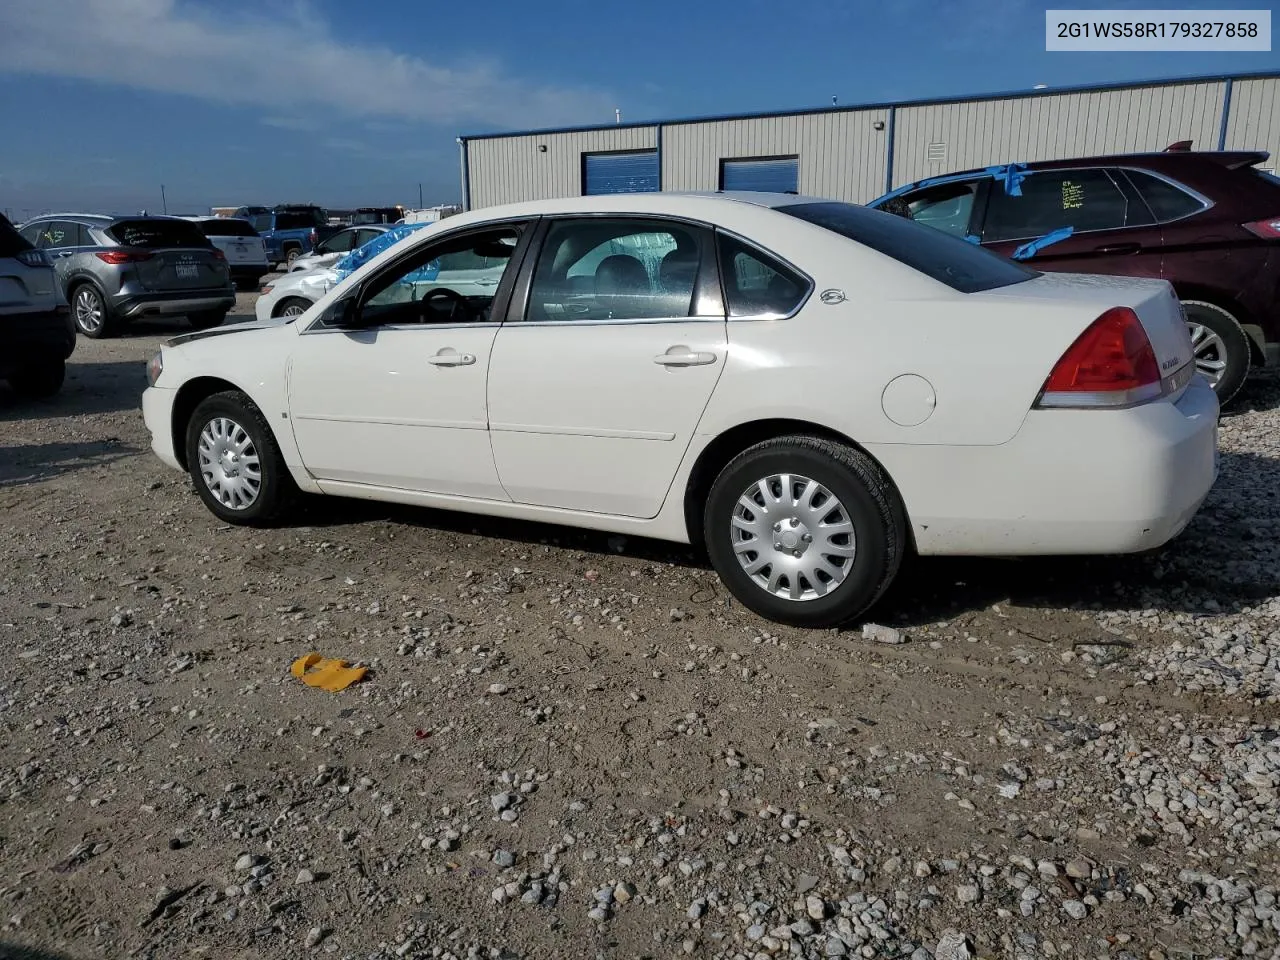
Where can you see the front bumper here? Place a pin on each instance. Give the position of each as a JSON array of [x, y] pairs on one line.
[[167, 304], [157, 413], [1070, 481], [27, 335]]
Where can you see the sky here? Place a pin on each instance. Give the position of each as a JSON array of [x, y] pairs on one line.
[[348, 103]]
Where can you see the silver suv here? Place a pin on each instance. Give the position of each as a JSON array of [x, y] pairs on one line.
[[36, 335], [117, 269]]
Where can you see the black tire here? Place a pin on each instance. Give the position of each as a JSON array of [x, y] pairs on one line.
[[284, 305], [87, 303], [864, 494], [1234, 344], [207, 320], [39, 379], [276, 494]]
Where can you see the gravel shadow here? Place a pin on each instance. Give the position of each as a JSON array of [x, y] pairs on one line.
[[22, 464], [9, 951], [89, 388]]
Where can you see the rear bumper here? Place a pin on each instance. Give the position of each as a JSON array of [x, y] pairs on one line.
[[157, 413], [166, 304], [1070, 481], [27, 335]]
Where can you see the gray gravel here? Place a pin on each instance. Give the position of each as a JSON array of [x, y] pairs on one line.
[[572, 745]]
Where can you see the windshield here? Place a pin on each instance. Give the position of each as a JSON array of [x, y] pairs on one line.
[[157, 233], [961, 265]]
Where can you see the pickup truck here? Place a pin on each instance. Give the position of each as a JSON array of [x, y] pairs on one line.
[[288, 231]]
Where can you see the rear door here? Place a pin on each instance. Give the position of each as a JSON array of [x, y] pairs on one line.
[[180, 256], [1113, 231]]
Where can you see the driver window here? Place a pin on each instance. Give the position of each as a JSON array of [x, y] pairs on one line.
[[453, 281], [338, 243]]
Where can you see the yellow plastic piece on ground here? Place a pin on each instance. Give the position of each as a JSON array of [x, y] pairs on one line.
[[332, 675]]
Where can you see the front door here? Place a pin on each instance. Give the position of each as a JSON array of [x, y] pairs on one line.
[[398, 398], [595, 393]]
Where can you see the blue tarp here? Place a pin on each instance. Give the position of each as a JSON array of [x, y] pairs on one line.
[[363, 254]]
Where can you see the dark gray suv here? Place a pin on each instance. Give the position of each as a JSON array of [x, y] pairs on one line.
[[117, 269]]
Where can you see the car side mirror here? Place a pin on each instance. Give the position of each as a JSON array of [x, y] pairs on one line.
[[342, 314]]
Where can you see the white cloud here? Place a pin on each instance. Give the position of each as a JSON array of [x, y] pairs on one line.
[[290, 62]]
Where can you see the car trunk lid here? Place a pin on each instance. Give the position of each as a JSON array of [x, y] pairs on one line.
[[182, 269]]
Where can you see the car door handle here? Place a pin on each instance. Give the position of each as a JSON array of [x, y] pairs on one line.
[[1118, 248], [685, 358], [443, 359]]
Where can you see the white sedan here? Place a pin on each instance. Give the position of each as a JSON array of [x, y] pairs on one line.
[[807, 389]]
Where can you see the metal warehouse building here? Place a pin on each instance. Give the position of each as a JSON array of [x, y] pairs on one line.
[[856, 153]]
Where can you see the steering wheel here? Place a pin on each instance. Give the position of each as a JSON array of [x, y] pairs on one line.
[[457, 302]]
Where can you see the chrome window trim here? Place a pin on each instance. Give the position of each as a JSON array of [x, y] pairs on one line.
[[614, 321]]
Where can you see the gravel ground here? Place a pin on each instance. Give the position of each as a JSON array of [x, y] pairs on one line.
[[572, 745]]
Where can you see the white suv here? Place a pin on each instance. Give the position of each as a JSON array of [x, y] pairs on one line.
[[36, 332], [242, 246]]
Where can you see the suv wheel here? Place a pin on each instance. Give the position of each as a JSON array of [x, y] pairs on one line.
[[90, 312], [39, 379], [805, 531], [1219, 347]]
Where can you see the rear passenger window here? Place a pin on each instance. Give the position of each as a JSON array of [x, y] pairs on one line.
[[1082, 199], [1166, 201], [755, 284]]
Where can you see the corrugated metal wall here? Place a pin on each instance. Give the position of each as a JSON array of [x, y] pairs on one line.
[[842, 155], [511, 169], [1052, 127], [1254, 121]]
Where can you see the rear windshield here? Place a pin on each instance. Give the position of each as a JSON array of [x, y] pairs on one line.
[[961, 265], [157, 233], [11, 242], [298, 221], [227, 227]]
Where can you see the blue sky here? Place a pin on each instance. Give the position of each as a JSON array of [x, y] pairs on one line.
[[351, 103]]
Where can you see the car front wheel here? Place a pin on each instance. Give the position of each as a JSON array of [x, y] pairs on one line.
[[235, 462], [805, 531], [293, 307], [1219, 346]]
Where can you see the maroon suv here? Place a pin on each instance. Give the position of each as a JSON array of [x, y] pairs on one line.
[[1208, 222]]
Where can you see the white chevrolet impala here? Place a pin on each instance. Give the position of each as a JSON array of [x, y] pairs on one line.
[[806, 389]]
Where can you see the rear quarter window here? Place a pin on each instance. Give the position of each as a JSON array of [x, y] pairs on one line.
[[1167, 202], [962, 266], [156, 234], [12, 243]]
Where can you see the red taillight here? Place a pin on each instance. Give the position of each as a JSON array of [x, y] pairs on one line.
[[315, 236], [1110, 364], [1266, 229], [123, 256], [218, 254]]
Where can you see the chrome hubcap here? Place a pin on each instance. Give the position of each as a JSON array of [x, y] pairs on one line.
[[229, 463], [1209, 351], [793, 537], [88, 310]]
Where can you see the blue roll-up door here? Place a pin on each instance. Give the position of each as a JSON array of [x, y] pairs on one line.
[[620, 172], [776, 175]]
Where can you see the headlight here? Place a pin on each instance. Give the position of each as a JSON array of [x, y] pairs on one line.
[[155, 366]]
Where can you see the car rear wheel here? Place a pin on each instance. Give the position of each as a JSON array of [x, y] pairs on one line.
[[208, 320], [89, 310], [293, 307], [235, 462], [1219, 346], [39, 379], [805, 531]]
